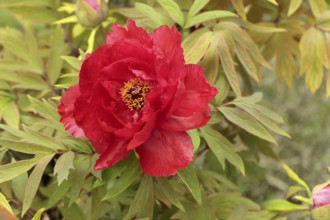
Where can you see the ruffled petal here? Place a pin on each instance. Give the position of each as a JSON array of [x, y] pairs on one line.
[[66, 110], [197, 92], [165, 152], [141, 136], [167, 47], [115, 152], [133, 32], [178, 123]]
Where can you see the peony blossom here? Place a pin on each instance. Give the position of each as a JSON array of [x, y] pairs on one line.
[[321, 197], [135, 93]]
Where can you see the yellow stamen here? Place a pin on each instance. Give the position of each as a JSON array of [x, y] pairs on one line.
[[134, 93]]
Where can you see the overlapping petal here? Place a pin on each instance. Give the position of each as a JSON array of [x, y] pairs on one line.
[[66, 110], [165, 152]]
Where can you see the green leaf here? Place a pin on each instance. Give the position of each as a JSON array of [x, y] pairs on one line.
[[33, 182], [247, 62], [264, 119], [189, 178], [72, 212], [73, 61], [38, 215], [221, 82], [91, 40], [293, 7], [296, 178], [239, 6], [314, 56], [294, 190], [222, 148], [245, 121], [143, 203], [70, 19], [82, 167], [18, 185], [156, 19], [58, 193], [173, 10], [240, 212], [210, 62], [196, 48], [318, 7], [274, 2], [24, 147], [11, 115], [63, 166], [207, 16], [10, 171], [47, 110], [125, 180], [4, 203], [283, 206], [195, 138], [196, 7], [227, 63], [54, 62], [169, 192]]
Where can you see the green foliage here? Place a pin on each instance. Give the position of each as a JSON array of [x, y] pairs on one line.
[[44, 171]]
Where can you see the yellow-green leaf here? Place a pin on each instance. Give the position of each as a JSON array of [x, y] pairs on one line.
[[245, 121], [293, 7], [283, 206], [239, 6], [318, 7], [33, 182], [173, 10], [196, 7], [207, 16], [197, 47], [296, 178], [222, 148], [227, 63]]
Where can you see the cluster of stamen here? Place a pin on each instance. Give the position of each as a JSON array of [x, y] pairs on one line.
[[134, 93]]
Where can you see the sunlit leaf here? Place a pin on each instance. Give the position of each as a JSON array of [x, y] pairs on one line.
[[173, 10], [296, 178], [196, 7], [245, 121], [294, 5], [227, 63], [207, 16], [283, 205]]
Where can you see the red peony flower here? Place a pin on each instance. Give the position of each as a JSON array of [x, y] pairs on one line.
[[136, 93], [321, 197]]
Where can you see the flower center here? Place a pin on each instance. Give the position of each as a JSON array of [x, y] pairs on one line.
[[134, 93]]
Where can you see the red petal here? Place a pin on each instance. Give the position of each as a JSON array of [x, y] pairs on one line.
[[141, 136], [168, 46], [197, 93], [133, 32], [165, 152], [66, 109], [177, 123], [115, 152]]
